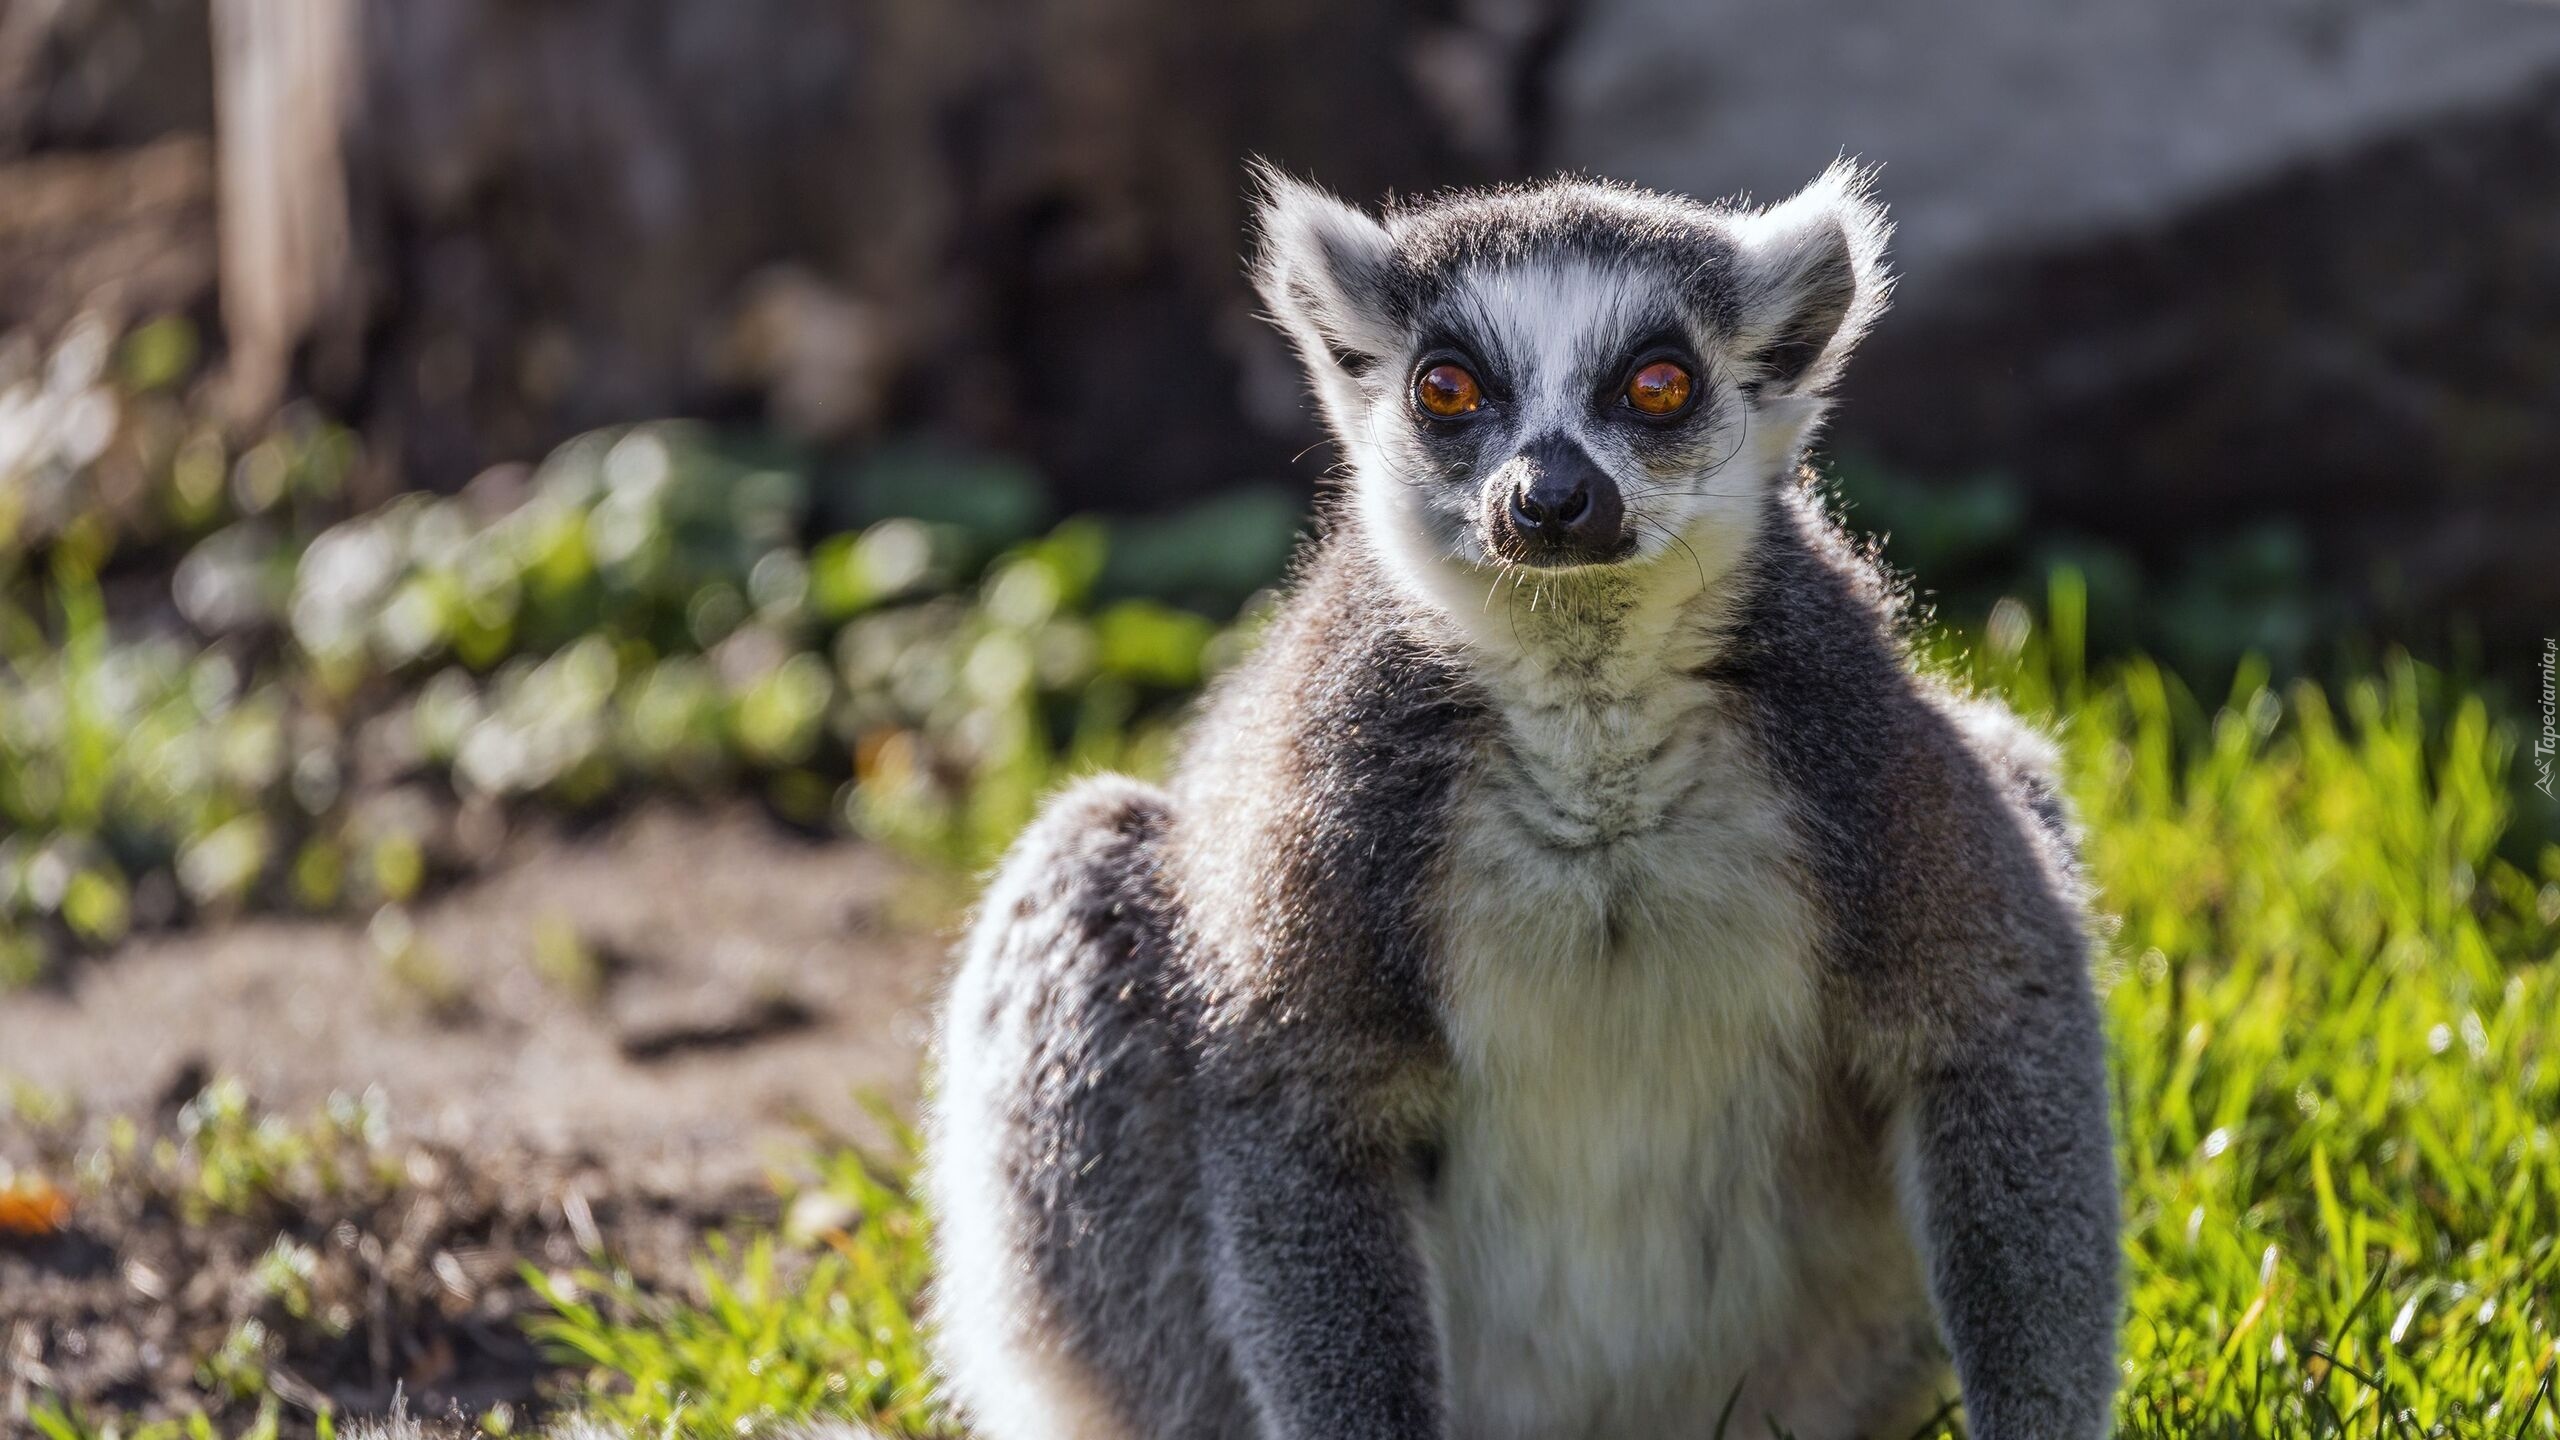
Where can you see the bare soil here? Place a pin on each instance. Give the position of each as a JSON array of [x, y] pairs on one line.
[[736, 992], [752, 985], [406, 1292]]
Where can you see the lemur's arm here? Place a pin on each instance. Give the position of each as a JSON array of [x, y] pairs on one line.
[[1326, 1306], [2010, 1186]]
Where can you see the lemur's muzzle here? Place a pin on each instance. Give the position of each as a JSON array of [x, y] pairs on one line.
[[1561, 509]]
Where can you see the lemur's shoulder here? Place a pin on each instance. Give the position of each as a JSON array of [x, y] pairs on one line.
[[1309, 816], [1938, 841], [1821, 582], [1342, 719]]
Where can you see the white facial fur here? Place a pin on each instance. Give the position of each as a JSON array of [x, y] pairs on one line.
[[1689, 522], [1762, 304]]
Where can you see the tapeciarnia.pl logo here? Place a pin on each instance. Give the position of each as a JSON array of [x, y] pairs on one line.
[[2547, 742]]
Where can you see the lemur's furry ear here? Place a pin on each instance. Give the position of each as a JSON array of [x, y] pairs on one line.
[[1813, 279], [1324, 269]]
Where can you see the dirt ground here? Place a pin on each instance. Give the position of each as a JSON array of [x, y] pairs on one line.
[[747, 985], [604, 1045]]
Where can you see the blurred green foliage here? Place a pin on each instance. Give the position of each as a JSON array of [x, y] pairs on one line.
[[2250, 593], [303, 715]]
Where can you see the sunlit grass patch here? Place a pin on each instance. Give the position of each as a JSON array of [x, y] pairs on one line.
[[269, 1293], [2335, 1014], [58, 1422], [816, 1321]]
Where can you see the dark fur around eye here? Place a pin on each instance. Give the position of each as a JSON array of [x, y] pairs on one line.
[[1694, 442]]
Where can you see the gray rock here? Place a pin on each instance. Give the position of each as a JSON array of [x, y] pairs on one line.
[[2180, 268], [2010, 125]]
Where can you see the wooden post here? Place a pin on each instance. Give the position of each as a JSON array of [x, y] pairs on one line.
[[284, 74]]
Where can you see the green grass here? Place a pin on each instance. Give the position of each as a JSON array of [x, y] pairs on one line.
[[53, 1422], [771, 1336], [227, 1157], [2336, 1023]]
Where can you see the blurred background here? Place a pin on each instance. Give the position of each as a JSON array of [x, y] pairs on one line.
[[541, 540], [2249, 308]]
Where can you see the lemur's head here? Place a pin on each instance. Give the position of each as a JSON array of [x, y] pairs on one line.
[[1572, 376]]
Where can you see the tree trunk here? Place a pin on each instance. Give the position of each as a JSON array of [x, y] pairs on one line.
[[1017, 224], [284, 71]]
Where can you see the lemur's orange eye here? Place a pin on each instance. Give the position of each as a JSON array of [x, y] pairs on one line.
[[1447, 391], [1660, 388]]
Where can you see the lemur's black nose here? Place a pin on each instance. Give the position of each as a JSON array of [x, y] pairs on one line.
[[1566, 499]]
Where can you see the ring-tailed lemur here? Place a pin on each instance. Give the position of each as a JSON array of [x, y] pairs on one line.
[[1582, 980]]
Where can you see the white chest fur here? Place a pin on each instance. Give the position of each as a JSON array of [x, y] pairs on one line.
[[1626, 1227]]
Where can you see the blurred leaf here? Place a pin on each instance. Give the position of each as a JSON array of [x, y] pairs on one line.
[[1213, 554], [1153, 644], [159, 354], [995, 502]]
